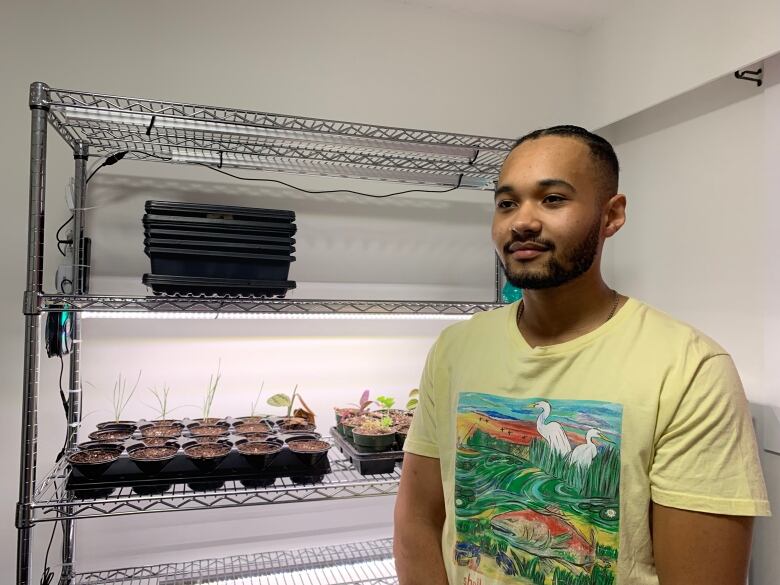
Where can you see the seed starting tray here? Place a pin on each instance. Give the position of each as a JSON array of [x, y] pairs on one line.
[[367, 463], [124, 473]]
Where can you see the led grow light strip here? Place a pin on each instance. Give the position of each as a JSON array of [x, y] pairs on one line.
[[221, 316], [364, 572]]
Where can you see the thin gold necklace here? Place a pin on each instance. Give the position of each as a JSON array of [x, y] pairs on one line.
[[615, 303]]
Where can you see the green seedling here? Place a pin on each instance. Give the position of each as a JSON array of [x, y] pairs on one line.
[[121, 397], [413, 399], [256, 401], [386, 401], [386, 422], [282, 400], [208, 399]]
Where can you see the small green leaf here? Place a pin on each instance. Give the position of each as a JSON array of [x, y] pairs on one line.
[[412, 404], [414, 393], [279, 400]]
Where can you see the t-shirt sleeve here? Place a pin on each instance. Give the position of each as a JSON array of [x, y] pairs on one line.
[[421, 439], [706, 457]]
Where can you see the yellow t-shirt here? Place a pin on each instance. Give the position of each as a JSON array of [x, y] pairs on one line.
[[550, 456]]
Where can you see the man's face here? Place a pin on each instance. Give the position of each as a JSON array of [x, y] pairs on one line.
[[547, 222]]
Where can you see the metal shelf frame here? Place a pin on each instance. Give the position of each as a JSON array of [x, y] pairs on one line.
[[162, 131], [361, 563], [51, 502], [194, 304], [193, 134]]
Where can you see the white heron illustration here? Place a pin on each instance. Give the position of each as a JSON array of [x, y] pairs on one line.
[[583, 454], [552, 432]]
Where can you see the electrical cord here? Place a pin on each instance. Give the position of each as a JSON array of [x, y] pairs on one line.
[[48, 575], [61, 241], [62, 391], [109, 160], [302, 190]]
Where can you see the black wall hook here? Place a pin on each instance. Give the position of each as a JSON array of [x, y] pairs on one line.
[[747, 75]]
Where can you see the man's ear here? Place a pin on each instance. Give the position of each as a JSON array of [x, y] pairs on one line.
[[615, 214]]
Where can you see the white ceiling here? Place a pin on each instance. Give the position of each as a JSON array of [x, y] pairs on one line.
[[569, 15]]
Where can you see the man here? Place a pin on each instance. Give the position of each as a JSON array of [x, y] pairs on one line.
[[577, 436]]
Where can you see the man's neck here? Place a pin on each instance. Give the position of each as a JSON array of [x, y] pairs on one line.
[[563, 313]]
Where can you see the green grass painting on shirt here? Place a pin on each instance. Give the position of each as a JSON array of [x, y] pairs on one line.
[[600, 480]]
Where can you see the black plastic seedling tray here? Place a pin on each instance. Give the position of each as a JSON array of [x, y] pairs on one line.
[[205, 236], [124, 473], [207, 210], [181, 222], [212, 264], [366, 463], [183, 285], [201, 244]]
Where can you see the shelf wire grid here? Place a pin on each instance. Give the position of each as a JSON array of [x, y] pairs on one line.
[[189, 133], [354, 563], [52, 502], [203, 304]]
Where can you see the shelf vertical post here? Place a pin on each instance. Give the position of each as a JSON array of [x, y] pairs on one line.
[[80, 155], [39, 106]]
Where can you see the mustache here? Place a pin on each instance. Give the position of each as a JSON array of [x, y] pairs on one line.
[[533, 240]]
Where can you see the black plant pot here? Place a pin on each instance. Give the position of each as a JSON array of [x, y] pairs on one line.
[[400, 437], [207, 456], [93, 462], [258, 483], [208, 432], [161, 431], [259, 454], [117, 425], [111, 435], [152, 460], [242, 427], [308, 451], [205, 485], [152, 490], [374, 443]]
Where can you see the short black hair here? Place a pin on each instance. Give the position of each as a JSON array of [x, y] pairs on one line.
[[600, 149]]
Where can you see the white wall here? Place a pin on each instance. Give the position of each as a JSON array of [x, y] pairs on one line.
[[700, 242], [344, 59], [694, 241], [648, 52]]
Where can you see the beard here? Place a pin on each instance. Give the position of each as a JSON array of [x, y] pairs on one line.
[[557, 271]]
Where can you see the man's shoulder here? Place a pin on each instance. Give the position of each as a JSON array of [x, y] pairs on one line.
[[675, 333], [480, 329], [487, 322]]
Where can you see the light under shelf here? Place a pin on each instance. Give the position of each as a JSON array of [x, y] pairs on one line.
[[287, 316], [360, 563]]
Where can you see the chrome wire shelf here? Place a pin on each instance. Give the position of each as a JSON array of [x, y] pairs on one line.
[[196, 134], [368, 562], [164, 303], [52, 502]]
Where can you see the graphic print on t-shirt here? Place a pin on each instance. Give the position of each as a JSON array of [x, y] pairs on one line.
[[537, 485]]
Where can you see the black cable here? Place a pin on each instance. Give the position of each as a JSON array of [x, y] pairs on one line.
[[111, 160], [48, 576], [218, 170], [59, 241], [62, 391]]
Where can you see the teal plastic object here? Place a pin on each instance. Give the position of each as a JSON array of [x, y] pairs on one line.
[[510, 294]]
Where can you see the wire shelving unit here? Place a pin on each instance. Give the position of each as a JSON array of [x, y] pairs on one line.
[[365, 563], [166, 132]]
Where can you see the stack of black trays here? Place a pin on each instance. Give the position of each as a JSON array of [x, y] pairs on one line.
[[218, 249]]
